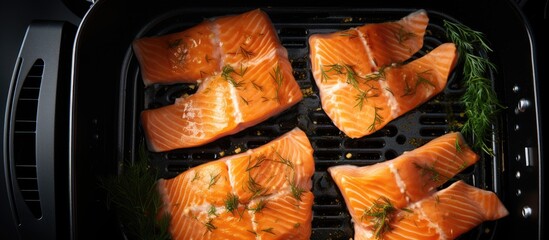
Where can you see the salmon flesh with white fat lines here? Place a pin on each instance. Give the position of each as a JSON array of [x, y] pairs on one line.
[[264, 193], [403, 189], [362, 79], [244, 73]]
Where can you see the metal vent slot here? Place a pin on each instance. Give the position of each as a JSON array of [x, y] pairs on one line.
[[24, 138]]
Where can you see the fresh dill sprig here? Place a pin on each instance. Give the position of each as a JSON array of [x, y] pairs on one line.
[[435, 176], [352, 78], [420, 79], [259, 206], [212, 210], [136, 199], [480, 99], [213, 180], [231, 202], [278, 77], [296, 191], [381, 213], [378, 119], [364, 95], [226, 73], [257, 86], [402, 35], [246, 53], [283, 160], [376, 75]]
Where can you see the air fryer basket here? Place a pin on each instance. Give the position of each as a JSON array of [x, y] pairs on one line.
[[513, 171]]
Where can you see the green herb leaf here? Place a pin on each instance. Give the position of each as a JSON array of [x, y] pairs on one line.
[[381, 214], [136, 200], [480, 99]]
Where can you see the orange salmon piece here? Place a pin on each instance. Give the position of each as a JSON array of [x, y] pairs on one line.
[[394, 42], [361, 79], [246, 37], [253, 82], [263, 193], [179, 57], [193, 120], [446, 214], [406, 179]]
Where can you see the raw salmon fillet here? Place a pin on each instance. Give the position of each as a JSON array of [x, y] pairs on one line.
[[403, 183], [247, 79], [263, 193], [362, 80], [446, 214], [185, 56]]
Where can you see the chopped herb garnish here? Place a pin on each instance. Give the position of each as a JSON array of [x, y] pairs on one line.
[[245, 53], [258, 161], [243, 70], [231, 202], [364, 95], [431, 171], [420, 80], [227, 72], [247, 102], [377, 75], [323, 75], [458, 146], [296, 225], [212, 210], [378, 119], [381, 214], [297, 191], [209, 225], [268, 230], [257, 86], [278, 77], [213, 180], [256, 188], [259, 206], [332, 67], [403, 35], [283, 160], [352, 77]]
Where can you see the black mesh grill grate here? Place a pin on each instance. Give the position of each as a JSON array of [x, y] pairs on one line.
[[330, 219]]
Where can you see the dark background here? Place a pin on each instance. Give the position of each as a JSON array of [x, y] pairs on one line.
[[16, 15]]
